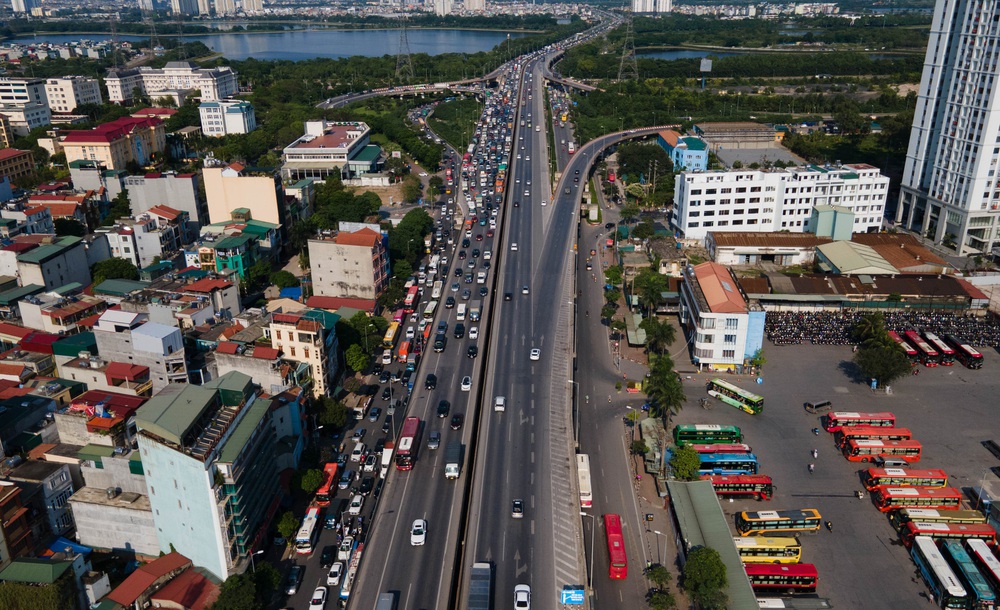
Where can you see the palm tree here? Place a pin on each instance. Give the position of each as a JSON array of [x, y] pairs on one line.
[[870, 325], [664, 389], [659, 335]]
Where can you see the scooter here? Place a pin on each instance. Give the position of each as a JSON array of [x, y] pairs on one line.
[[812, 467], [829, 525], [815, 453]]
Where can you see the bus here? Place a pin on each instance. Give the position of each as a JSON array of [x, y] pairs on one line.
[[842, 419], [911, 353], [981, 596], [410, 302], [928, 355], [437, 289], [945, 531], [404, 350], [989, 565], [944, 585], [618, 569], [429, 310], [893, 498], [409, 444], [792, 579], [305, 538], [328, 489], [867, 450], [728, 463], [758, 486], [946, 351], [768, 521], [736, 397], [969, 356], [583, 474], [723, 448], [899, 518], [755, 549], [689, 434], [904, 477], [391, 334], [398, 315], [840, 437]]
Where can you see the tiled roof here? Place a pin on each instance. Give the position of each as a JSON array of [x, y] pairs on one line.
[[719, 288], [189, 589], [165, 211], [363, 237], [110, 131], [139, 581], [9, 153], [767, 240], [265, 353], [207, 285], [227, 347]]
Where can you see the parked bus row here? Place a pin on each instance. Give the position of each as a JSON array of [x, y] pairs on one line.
[[931, 350], [771, 551]]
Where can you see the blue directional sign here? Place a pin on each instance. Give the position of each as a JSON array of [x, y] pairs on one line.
[[571, 597]]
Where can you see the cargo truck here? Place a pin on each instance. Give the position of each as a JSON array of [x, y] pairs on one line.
[[475, 311], [452, 460], [387, 458]]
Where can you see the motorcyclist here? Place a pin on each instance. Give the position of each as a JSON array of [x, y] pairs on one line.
[[812, 467]]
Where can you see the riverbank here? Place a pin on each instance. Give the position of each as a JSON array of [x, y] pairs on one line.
[[767, 50]]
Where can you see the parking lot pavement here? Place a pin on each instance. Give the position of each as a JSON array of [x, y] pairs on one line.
[[861, 563]]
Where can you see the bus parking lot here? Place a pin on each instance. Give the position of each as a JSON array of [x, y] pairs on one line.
[[861, 564]]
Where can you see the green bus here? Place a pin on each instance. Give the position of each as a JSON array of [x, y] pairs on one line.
[[700, 434], [736, 397]]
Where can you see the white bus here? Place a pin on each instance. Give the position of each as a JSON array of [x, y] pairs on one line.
[[583, 472], [436, 290], [429, 310], [305, 539]]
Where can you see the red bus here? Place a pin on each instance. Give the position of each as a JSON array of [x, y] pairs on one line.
[[866, 450], [756, 485], [616, 547], [928, 355], [790, 579], [943, 531], [871, 432], [910, 352], [729, 448], [888, 499], [969, 356], [398, 315], [410, 303], [409, 444], [947, 353], [841, 419], [328, 489], [900, 477]]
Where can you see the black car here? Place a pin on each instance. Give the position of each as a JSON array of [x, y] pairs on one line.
[[507, 296], [386, 393], [456, 421], [609, 225], [577, 172], [328, 555], [387, 424], [379, 445], [462, 255], [517, 204], [449, 302], [458, 272], [443, 408], [459, 330], [473, 351], [367, 484], [384, 376], [466, 243], [431, 381], [475, 253], [377, 369], [483, 291], [468, 278]]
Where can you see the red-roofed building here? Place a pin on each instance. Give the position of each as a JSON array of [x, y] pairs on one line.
[[115, 143], [350, 265], [16, 163], [67, 204], [142, 584], [726, 329], [160, 113], [187, 591], [334, 303]]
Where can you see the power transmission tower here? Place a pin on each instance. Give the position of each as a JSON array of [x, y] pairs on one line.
[[154, 39], [404, 63], [628, 69]]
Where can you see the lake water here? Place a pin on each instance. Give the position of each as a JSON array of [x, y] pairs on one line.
[[672, 54], [307, 44]]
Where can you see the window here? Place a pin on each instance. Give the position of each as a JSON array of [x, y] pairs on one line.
[[728, 354], [729, 339], [732, 323]]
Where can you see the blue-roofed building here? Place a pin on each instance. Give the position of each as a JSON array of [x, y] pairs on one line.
[[686, 152]]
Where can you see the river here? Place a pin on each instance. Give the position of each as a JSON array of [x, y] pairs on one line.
[[307, 44]]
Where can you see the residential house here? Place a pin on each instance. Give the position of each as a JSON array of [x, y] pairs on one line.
[[54, 313], [47, 488], [310, 337], [55, 263], [15, 532], [353, 265], [176, 191], [128, 337]]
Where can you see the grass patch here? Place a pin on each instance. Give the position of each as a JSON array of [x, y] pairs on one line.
[[455, 121]]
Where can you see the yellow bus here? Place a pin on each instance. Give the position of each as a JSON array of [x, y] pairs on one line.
[[753, 523], [755, 549], [389, 340]]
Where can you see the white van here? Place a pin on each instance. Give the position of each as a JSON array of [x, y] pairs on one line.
[[461, 312], [359, 450], [500, 403], [481, 277], [487, 255]]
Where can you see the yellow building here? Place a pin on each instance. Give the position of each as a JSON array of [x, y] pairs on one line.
[[116, 143], [233, 187]]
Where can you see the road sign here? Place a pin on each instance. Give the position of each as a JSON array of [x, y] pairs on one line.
[[571, 596]]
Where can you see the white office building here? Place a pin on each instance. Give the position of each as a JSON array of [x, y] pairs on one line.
[[25, 117], [214, 83], [67, 93], [651, 6], [950, 187], [227, 117], [776, 200]]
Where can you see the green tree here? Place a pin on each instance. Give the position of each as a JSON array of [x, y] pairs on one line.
[[113, 269], [664, 389], [660, 576], [402, 269], [661, 600], [284, 279], [435, 186], [356, 358], [614, 275], [659, 335], [758, 360], [266, 578], [238, 593], [607, 312], [884, 363], [643, 230], [868, 326], [287, 525], [650, 286], [639, 448], [685, 464], [257, 275], [120, 208], [332, 413], [311, 480], [69, 226], [704, 578], [412, 188]]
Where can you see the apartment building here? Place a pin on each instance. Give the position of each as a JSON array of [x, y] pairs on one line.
[[54, 263], [87, 175], [725, 327], [31, 219], [177, 191], [54, 313], [6, 133], [235, 187], [155, 235], [309, 337], [776, 200], [15, 534], [128, 337], [18, 91], [227, 117], [353, 265], [68, 93], [116, 143], [47, 488], [208, 453], [216, 83], [325, 148], [23, 118], [16, 163]]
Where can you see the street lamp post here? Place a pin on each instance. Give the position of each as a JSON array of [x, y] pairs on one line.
[[593, 526], [252, 566], [660, 553]]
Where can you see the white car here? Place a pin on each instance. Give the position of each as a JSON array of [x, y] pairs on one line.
[[522, 597], [466, 383], [410, 331], [318, 600], [418, 533], [474, 333], [333, 577], [535, 353], [371, 462], [356, 503], [346, 548], [359, 450], [513, 246]]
